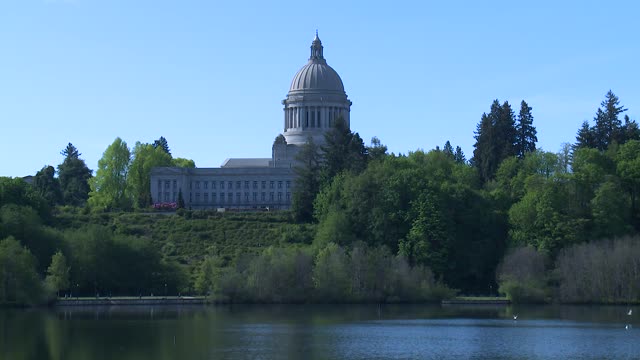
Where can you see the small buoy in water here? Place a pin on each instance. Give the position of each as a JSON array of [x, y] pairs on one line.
[[627, 327], [515, 317], [630, 312]]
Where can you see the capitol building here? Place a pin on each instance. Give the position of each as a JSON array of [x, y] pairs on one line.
[[315, 100]]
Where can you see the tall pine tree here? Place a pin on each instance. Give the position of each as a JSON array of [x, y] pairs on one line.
[[495, 139], [525, 131], [74, 176]]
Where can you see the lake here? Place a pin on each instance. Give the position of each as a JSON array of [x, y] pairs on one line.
[[320, 332]]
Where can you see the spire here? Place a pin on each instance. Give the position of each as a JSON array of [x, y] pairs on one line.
[[316, 49]]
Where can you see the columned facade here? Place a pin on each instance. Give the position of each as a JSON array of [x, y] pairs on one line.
[[315, 100]]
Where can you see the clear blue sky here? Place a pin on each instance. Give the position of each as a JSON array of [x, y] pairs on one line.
[[210, 75]]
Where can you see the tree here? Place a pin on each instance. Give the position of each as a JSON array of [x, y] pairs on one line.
[[526, 133], [74, 176], [48, 186], [448, 149], [377, 150], [163, 145], [585, 137], [58, 273], [495, 139], [145, 158], [343, 151], [19, 282], [608, 125], [459, 157], [108, 187], [184, 163], [307, 183]]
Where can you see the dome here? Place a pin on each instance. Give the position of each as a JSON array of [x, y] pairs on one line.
[[316, 74]]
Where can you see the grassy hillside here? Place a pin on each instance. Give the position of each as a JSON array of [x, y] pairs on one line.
[[187, 236]]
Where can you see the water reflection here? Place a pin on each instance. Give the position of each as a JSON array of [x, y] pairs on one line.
[[319, 332]]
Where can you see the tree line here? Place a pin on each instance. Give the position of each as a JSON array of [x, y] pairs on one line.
[[513, 218]]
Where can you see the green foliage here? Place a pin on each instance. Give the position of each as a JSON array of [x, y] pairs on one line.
[[145, 157], [58, 273], [184, 163], [19, 282], [496, 137], [16, 191], [525, 132], [108, 187], [307, 183], [74, 176], [48, 186], [163, 145]]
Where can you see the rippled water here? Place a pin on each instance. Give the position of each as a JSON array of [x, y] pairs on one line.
[[320, 332]]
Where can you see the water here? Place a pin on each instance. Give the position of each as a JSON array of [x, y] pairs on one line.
[[320, 332]]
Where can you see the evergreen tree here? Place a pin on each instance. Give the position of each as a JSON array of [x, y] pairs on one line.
[[448, 149], [585, 137], [343, 151], [180, 200], [495, 139], [459, 157], [630, 129], [526, 133], [73, 175], [162, 144], [608, 125], [307, 181]]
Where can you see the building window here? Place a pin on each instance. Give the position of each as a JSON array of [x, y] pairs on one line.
[[288, 184], [222, 198], [221, 184], [197, 197], [246, 197], [159, 184], [175, 184], [271, 196], [246, 184], [271, 184], [167, 184], [255, 184], [238, 197], [230, 197], [288, 197], [205, 184], [238, 185], [264, 184], [166, 196], [263, 197], [279, 196], [197, 185], [255, 197], [159, 198], [213, 198], [206, 197], [230, 185], [190, 197], [213, 184], [279, 184], [175, 195]]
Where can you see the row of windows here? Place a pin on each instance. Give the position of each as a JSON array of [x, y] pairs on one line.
[[253, 197], [168, 196], [238, 184]]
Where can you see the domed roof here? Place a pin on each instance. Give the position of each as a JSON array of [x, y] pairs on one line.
[[316, 74]]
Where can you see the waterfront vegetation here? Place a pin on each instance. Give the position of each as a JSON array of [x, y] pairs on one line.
[[366, 226]]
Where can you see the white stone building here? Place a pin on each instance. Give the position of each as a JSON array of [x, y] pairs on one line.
[[315, 99]]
